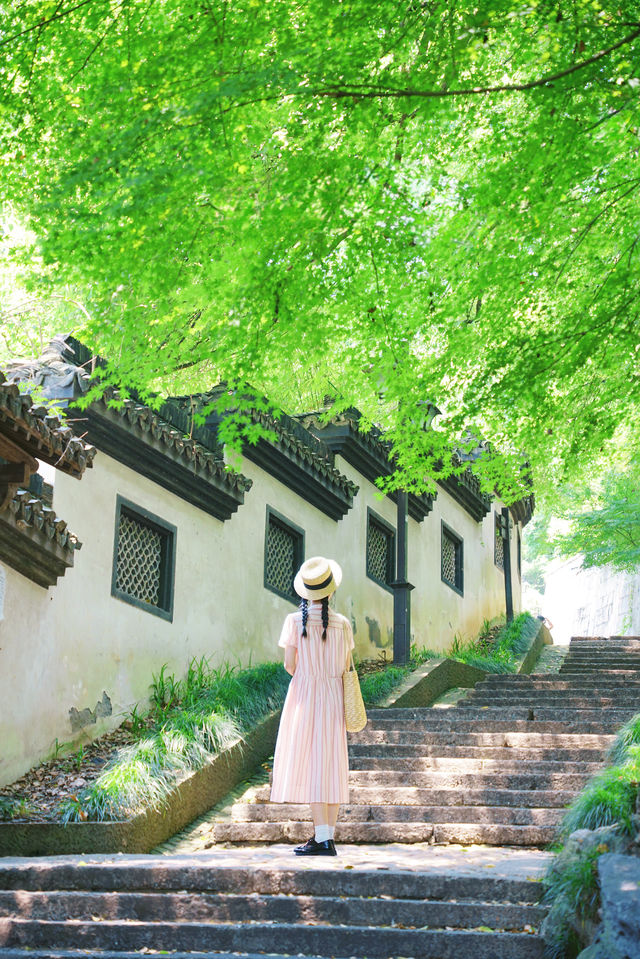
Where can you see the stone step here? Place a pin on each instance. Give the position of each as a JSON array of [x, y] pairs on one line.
[[625, 680], [352, 813], [289, 831], [511, 764], [594, 669], [326, 878], [528, 780], [453, 737], [446, 721], [602, 664], [474, 795], [417, 751], [310, 940], [466, 710], [150, 907], [537, 700], [613, 715]]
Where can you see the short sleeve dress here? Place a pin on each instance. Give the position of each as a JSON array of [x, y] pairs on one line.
[[311, 763]]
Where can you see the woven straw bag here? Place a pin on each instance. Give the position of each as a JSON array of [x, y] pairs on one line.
[[354, 712]]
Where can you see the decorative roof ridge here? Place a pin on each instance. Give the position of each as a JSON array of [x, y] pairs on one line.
[[468, 478], [30, 513], [292, 442], [309, 449], [64, 449], [147, 420], [351, 416]]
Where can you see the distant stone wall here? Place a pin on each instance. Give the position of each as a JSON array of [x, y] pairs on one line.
[[591, 602]]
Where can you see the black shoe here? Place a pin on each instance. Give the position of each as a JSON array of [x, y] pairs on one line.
[[313, 848]]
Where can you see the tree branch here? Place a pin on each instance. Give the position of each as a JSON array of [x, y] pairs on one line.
[[364, 93], [44, 23]]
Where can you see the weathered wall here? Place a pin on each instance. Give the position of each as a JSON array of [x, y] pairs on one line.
[[591, 602], [62, 649]]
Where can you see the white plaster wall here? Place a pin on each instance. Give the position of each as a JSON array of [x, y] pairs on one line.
[[591, 602], [439, 613], [61, 648]]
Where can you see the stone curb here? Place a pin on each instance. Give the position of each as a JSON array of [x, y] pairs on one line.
[[191, 798], [437, 676]]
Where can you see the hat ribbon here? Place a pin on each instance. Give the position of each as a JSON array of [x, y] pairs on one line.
[[319, 585]]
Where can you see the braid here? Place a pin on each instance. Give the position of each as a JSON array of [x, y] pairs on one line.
[[304, 606], [325, 615]]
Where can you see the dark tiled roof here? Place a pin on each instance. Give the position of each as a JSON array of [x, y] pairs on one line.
[[31, 512], [292, 455], [176, 443], [305, 448], [40, 434], [34, 541], [160, 445], [366, 450]]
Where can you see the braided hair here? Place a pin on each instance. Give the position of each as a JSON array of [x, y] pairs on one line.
[[304, 606]]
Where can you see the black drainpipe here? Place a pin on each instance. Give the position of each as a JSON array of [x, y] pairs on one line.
[[506, 539], [401, 587]]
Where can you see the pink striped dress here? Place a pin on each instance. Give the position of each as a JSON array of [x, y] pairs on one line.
[[310, 763]]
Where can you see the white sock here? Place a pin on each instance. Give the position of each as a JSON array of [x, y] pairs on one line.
[[332, 831], [323, 833]]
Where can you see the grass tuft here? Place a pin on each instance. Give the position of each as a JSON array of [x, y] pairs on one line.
[[607, 799], [194, 719], [627, 742]]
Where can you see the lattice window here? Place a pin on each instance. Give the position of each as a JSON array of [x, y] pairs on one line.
[[139, 560], [498, 549], [451, 559], [380, 550], [143, 561], [283, 554]]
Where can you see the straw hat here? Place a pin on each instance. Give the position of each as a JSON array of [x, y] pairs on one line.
[[317, 577]]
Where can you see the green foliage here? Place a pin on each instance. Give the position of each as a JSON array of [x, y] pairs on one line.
[[377, 686], [344, 198], [498, 656], [195, 718], [627, 742], [13, 807], [608, 798], [577, 884], [605, 529]]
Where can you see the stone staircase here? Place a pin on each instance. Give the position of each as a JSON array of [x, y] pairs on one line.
[[619, 653], [116, 909], [496, 769]]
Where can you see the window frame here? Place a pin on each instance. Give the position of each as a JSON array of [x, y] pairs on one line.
[[458, 586], [299, 534], [375, 519], [169, 534]]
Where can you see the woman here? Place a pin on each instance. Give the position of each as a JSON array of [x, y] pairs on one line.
[[311, 763]]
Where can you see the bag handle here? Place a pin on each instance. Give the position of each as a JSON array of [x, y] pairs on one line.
[[350, 663]]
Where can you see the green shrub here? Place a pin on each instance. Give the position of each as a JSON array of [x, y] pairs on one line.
[[628, 737], [13, 807], [377, 686], [608, 798], [195, 719]]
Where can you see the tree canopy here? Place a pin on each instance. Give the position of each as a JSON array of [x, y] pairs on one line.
[[390, 201]]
